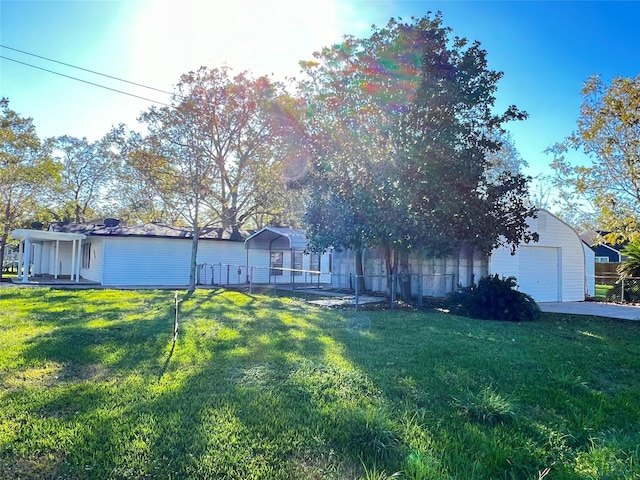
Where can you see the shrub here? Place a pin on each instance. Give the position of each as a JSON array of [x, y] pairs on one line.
[[494, 298], [631, 266]]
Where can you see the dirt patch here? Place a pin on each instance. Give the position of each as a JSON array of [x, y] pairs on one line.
[[36, 466]]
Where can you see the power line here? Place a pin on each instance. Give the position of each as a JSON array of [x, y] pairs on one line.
[[86, 81], [85, 69]]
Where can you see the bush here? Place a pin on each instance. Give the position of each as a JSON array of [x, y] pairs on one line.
[[494, 298]]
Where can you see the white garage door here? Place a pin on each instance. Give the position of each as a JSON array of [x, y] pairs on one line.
[[539, 273]]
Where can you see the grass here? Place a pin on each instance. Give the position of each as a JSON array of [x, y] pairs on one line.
[[92, 387], [602, 291]]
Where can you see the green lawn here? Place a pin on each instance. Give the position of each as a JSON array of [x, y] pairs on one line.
[[601, 291], [92, 387]]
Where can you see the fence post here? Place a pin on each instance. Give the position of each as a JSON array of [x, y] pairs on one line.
[[419, 291], [357, 299], [393, 290], [622, 291], [175, 319], [251, 279]]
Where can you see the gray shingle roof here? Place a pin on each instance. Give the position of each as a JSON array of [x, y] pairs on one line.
[[149, 230]]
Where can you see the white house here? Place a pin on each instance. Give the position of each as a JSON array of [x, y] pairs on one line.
[[559, 267], [111, 254]]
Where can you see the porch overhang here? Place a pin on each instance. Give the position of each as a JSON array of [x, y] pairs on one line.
[[45, 235], [28, 237]]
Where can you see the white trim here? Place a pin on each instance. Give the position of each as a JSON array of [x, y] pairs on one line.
[[44, 235]]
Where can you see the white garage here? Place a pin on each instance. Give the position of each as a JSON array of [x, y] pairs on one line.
[[552, 270]]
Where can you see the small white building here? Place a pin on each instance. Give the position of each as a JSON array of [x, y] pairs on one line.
[[557, 268]]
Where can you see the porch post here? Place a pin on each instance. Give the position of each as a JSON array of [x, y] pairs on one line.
[[73, 260], [55, 266], [20, 259], [79, 260], [27, 260]]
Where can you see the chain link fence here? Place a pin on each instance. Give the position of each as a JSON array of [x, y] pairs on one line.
[[341, 289], [613, 288]]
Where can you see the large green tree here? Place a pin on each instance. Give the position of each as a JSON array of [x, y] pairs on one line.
[[402, 131], [211, 157], [605, 192], [26, 171]]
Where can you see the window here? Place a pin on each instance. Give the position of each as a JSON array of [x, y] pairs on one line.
[[86, 255], [602, 259], [276, 263], [297, 262], [314, 262]]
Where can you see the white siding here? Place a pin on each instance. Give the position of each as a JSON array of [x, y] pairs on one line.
[[260, 262], [590, 269], [64, 258], [154, 261], [96, 262], [146, 261], [222, 262], [570, 272], [431, 276]]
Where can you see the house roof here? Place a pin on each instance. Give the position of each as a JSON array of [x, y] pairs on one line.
[[149, 230], [595, 238], [263, 238]]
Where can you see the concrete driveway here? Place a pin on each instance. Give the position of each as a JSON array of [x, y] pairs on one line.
[[598, 309]]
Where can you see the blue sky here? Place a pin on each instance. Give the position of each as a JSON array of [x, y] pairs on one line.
[[545, 49]]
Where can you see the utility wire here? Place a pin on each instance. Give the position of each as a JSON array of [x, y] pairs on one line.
[[85, 69], [88, 82]]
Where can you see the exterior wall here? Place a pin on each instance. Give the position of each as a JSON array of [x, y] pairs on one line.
[[221, 262], [605, 251], [259, 263], [64, 258], [95, 271], [147, 261], [570, 272], [430, 276], [590, 270], [40, 258]]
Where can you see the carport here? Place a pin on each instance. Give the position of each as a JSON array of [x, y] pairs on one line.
[[275, 254], [30, 253]]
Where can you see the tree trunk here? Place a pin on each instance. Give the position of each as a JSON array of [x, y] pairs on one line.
[[404, 277], [359, 271], [194, 258], [3, 243], [391, 263]]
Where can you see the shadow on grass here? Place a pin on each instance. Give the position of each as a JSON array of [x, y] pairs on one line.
[[231, 398], [259, 387]]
